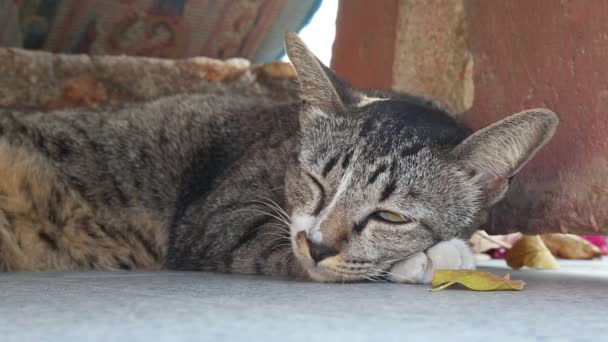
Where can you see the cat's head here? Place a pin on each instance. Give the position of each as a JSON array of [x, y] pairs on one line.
[[377, 179]]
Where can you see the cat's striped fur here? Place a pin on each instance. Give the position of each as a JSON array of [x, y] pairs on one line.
[[85, 189], [252, 185]]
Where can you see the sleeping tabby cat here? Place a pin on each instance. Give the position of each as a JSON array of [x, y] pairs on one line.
[[344, 185]]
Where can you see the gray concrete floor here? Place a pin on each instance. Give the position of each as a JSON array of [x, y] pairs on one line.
[[568, 304]]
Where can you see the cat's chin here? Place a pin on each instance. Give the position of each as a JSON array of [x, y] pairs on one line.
[[320, 275], [315, 272]]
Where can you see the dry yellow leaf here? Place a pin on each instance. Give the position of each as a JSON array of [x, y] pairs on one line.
[[531, 251], [570, 246], [475, 280]]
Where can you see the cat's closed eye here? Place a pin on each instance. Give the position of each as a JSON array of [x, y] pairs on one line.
[[321, 194]]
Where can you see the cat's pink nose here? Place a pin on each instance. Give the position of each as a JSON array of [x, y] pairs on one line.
[[318, 252]]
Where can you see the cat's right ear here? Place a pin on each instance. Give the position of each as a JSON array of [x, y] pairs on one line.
[[319, 86], [492, 155]]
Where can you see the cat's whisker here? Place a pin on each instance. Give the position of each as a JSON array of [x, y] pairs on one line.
[[276, 234], [278, 224], [270, 202], [279, 239], [371, 279], [285, 236], [392, 274], [351, 276], [280, 243], [261, 212], [282, 232], [279, 208], [279, 246], [287, 257], [276, 208], [301, 274], [280, 227], [289, 253], [374, 278], [290, 258], [399, 259]]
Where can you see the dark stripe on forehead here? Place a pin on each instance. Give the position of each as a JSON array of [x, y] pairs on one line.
[[393, 168], [377, 173], [388, 190], [330, 165], [410, 150], [346, 160]]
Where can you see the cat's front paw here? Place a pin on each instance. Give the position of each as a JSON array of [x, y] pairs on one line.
[[419, 269]]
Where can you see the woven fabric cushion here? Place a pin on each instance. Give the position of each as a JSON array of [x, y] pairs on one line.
[[251, 29]]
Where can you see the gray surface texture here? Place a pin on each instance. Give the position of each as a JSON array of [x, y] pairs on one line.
[[568, 304]]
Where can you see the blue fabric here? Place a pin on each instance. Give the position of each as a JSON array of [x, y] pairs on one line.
[[294, 16]]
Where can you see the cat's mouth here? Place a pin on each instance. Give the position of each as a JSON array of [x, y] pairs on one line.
[[330, 269]]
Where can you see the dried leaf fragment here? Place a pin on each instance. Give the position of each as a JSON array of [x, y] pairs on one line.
[[531, 251], [475, 280], [570, 246], [482, 242]]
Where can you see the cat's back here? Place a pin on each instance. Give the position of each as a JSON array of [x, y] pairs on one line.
[[167, 110], [138, 153], [174, 125]]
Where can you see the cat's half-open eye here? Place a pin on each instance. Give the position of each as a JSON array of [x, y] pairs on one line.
[[391, 217]]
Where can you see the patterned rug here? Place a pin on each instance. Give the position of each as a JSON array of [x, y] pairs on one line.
[[251, 29]]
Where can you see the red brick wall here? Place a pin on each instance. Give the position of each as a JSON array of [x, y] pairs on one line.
[[552, 54], [365, 38]]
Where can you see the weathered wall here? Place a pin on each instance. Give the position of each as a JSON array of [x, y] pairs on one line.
[[431, 56], [364, 35], [490, 59], [415, 46], [550, 54]]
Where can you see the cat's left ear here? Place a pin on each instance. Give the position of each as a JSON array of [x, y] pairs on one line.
[[319, 86], [492, 155]]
